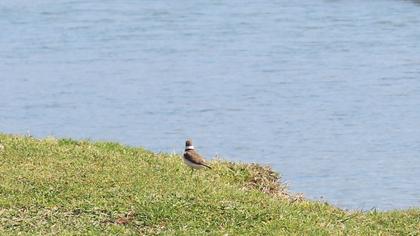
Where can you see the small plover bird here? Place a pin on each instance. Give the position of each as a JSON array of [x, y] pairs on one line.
[[192, 158]]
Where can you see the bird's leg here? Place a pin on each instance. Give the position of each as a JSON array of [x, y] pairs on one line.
[[192, 170]]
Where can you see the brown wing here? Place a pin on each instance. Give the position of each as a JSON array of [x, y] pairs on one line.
[[194, 157]]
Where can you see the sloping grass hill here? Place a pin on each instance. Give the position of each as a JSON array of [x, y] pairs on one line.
[[69, 187]]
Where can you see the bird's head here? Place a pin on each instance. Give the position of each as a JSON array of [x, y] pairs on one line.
[[188, 145]]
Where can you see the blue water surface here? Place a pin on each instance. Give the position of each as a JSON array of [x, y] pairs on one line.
[[327, 92]]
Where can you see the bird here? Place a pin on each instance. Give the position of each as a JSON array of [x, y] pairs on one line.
[[192, 158]]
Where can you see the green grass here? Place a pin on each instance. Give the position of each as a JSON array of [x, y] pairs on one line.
[[72, 187]]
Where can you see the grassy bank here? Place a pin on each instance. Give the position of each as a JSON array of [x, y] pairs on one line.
[[77, 187]]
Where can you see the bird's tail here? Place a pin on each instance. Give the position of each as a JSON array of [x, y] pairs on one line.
[[207, 166]]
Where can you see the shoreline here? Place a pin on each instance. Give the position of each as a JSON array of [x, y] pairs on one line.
[[88, 187]]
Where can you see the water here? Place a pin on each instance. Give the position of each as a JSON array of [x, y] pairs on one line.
[[327, 92]]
